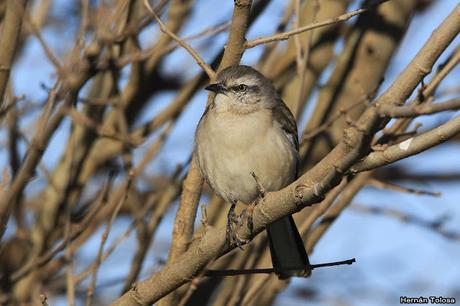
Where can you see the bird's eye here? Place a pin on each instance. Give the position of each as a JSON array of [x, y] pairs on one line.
[[242, 87]]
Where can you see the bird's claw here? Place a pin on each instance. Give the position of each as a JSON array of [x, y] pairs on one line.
[[248, 213], [233, 238], [233, 222]]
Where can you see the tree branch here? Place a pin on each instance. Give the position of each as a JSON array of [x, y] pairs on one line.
[[231, 272], [237, 37], [211, 74], [436, 225], [389, 186], [414, 110], [410, 146], [186, 213], [308, 189], [9, 39], [288, 34]]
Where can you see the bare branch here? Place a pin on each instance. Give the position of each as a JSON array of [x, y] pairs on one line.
[[414, 110], [237, 36], [384, 185], [92, 285], [48, 51], [186, 214], [211, 74], [333, 212], [54, 201], [9, 38], [288, 34], [231, 272], [307, 190], [444, 69], [410, 146], [435, 225]]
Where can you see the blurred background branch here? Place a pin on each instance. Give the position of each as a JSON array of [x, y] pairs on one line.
[[100, 190]]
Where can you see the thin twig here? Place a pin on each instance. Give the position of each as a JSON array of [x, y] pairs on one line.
[[211, 74], [288, 34], [385, 185], [311, 134], [298, 46], [436, 225], [81, 119], [116, 242], [305, 59], [48, 51], [252, 292], [444, 69], [213, 273], [72, 236], [92, 285], [83, 25], [154, 148], [414, 110], [191, 289], [68, 254], [144, 54]]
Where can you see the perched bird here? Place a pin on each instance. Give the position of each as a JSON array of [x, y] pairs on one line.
[[248, 129]]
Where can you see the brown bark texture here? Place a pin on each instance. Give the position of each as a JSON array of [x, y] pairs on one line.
[[96, 151]]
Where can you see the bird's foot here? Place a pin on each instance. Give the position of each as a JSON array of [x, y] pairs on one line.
[[233, 222], [248, 212], [233, 238]]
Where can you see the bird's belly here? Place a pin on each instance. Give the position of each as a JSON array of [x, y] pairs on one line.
[[227, 162]]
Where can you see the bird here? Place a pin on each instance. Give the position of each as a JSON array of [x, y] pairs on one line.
[[247, 139]]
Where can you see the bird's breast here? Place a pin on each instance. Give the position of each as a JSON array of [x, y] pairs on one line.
[[230, 147]]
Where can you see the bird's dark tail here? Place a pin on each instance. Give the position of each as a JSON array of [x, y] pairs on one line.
[[287, 249]]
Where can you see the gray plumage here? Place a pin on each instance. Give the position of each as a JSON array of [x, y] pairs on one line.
[[248, 128]]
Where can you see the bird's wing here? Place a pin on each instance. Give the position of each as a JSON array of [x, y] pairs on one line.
[[283, 116]]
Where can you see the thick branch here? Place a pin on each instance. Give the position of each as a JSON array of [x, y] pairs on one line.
[[9, 38], [307, 190], [186, 213], [237, 37], [185, 216], [423, 62]]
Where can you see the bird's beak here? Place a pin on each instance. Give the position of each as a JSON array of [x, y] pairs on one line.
[[217, 88]]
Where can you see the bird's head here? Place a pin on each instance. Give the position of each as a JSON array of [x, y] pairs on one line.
[[244, 86]]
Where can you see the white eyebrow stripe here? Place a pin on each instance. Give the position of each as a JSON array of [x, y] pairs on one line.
[[246, 80]]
